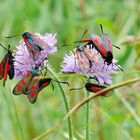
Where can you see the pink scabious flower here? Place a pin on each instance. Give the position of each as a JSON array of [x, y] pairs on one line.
[[99, 68], [24, 61]]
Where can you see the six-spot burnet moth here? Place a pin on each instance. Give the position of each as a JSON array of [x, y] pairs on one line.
[[31, 84], [85, 57], [94, 88], [33, 43], [7, 65]]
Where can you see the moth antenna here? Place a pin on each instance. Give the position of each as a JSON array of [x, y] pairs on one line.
[[4, 47], [82, 41], [101, 28], [52, 86], [118, 67], [115, 46], [64, 45], [9, 47], [77, 88], [83, 80], [76, 42], [13, 36], [61, 82], [103, 67], [40, 62], [82, 36], [45, 71], [80, 87]]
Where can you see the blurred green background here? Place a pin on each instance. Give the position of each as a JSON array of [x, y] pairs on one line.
[[116, 117]]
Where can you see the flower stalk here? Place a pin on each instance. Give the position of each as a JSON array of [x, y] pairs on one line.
[[87, 118], [65, 102]]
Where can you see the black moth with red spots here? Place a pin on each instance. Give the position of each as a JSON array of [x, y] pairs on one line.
[[34, 44], [96, 88], [7, 66], [31, 85]]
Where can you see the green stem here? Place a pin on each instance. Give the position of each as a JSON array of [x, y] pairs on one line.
[[10, 115], [17, 117], [87, 115], [87, 118], [65, 102], [83, 102]]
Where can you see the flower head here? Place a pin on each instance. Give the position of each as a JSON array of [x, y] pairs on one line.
[[98, 69], [23, 59]]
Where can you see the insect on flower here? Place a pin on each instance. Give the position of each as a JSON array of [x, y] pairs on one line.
[[103, 45], [7, 65], [36, 43], [31, 84], [85, 57], [23, 59]]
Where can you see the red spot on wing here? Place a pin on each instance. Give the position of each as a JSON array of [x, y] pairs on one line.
[[19, 88], [38, 39], [1, 71], [23, 82], [97, 89], [46, 84], [34, 87], [34, 53], [28, 74], [2, 66], [33, 94], [7, 68], [30, 47], [25, 40]]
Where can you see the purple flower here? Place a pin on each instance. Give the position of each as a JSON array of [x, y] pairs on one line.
[[24, 61], [99, 68]]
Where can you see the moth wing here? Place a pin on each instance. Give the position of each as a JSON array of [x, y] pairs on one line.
[[33, 48], [107, 43], [11, 70], [35, 87], [41, 43], [83, 61], [44, 83], [2, 67], [91, 55], [96, 88], [33, 90], [6, 70], [22, 85], [99, 45]]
